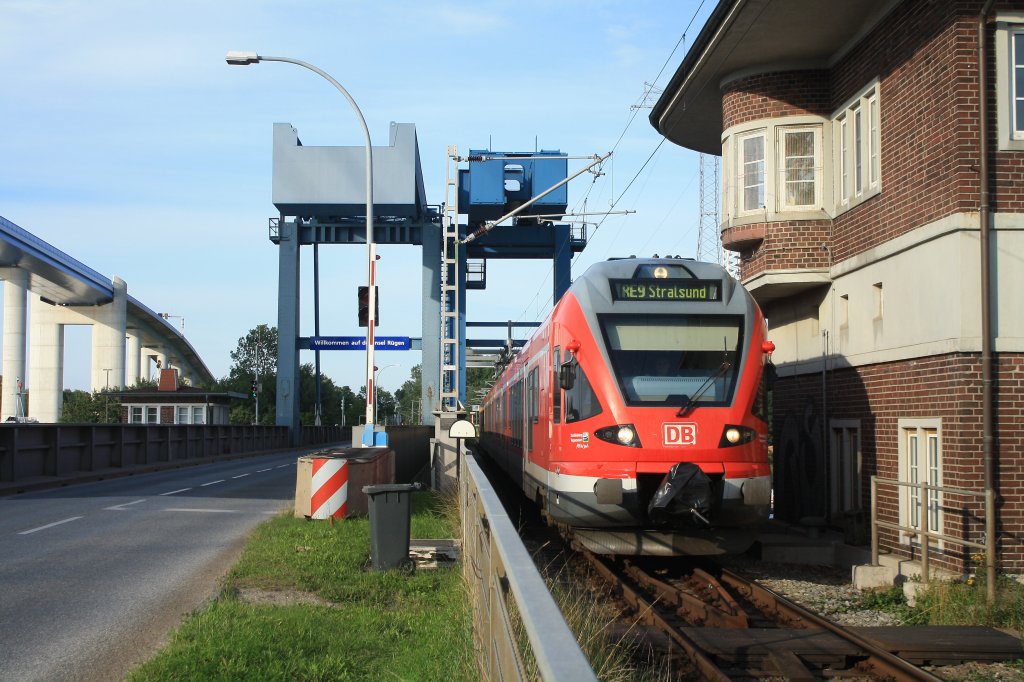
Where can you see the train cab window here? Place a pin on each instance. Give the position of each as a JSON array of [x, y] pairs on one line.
[[580, 401], [672, 360], [556, 392]]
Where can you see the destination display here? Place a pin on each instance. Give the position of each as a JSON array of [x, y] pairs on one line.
[[666, 290]]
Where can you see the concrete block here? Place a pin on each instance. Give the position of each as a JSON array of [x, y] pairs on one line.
[[910, 590], [867, 577]]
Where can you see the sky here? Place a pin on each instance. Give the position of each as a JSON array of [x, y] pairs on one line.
[[128, 143]]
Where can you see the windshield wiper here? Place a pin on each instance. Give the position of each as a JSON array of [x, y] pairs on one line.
[[708, 383]]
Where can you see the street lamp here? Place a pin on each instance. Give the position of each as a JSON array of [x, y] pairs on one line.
[[376, 375], [240, 58]]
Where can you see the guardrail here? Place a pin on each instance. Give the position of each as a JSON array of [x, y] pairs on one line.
[[927, 535], [32, 451], [502, 578]]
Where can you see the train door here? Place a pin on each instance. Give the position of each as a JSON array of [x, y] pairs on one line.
[[554, 444]]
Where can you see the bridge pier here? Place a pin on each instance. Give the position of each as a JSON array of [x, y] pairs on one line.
[[133, 368], [108, 339], [15, 350], [46, 362], [46, 359]]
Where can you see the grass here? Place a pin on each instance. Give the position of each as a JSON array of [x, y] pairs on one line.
[[366, 625], [955, 603], [591, 617]]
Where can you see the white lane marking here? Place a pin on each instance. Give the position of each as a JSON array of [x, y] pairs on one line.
[[175, 492], [50, 525], [211, 483], [204, 511], [121, 507], [240, 476], [262, 470], [283, 466]]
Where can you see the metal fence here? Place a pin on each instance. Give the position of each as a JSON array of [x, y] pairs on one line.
[[502, 579], [33, 451], [926, 535]]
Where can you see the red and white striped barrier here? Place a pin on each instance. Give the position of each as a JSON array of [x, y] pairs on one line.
[[329, 497]]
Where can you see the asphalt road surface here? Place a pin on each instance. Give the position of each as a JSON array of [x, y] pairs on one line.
[[94, 577]]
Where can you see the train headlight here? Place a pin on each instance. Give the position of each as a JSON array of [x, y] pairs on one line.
[[736, 435], [621, 434], [661, 272]]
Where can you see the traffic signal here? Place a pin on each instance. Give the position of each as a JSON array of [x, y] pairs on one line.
[[254, 389], [364, 307]]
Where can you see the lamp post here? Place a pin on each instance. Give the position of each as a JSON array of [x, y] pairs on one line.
[[238, 58], [376, 375]]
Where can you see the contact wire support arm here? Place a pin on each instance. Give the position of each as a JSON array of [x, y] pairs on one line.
[[487, 227]]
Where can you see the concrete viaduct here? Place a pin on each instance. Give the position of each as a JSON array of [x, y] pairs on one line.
[[48, 289]]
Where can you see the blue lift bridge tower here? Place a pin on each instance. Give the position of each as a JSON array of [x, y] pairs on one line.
[[511, 204]]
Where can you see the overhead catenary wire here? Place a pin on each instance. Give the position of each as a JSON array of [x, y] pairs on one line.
[[681, 42]]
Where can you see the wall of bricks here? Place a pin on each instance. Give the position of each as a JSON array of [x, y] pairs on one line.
[[775, 95], [946, 387], [924, 54], [787, 245]]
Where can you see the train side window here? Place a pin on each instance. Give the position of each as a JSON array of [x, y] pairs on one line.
[[556, 391], [580, 401]]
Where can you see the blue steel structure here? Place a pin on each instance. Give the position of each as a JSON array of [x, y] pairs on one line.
[[318, 192]]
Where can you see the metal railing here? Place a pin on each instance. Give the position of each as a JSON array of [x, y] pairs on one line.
[[927, 535], [502, 578], [30, 452]]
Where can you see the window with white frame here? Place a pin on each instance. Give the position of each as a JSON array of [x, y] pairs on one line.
[[183, 414], [135, 415], [152, 414], [750, 149], [920, 462], [845, 453], [799, 167], [856, 129], [1017, 62], [198, 414], [726, 207]]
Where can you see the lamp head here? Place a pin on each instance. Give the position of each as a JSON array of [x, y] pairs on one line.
[[239, 58]]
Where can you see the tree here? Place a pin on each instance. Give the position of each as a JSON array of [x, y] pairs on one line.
[[478, 380], [254, 361], [408, 396], [256, 354], [81, 407], [354, 405]]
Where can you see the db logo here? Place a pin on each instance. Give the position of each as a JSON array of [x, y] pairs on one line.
[[680, 434]]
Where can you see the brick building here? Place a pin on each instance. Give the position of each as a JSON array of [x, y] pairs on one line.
[[172, 403], [863, 178]]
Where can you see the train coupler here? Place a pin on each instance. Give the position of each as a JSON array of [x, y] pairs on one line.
[[684, 495]]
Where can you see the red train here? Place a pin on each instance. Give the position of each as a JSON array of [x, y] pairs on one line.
[[635, 415]]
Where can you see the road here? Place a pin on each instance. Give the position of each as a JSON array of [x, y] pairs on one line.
[[94, 577]]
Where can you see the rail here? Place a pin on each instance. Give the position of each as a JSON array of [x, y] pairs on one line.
[[926, 534], [502, 578], [37, 453]]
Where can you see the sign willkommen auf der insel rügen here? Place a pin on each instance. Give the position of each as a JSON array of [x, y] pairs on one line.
[[359, 343]]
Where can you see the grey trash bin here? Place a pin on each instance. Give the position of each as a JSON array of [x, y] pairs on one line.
[[390, 512]]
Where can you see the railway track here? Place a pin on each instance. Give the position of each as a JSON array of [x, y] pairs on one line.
[[725, 627]]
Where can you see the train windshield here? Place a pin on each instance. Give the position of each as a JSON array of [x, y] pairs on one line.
[[670, 360]]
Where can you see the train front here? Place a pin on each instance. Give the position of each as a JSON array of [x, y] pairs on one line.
[[663, 446]]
